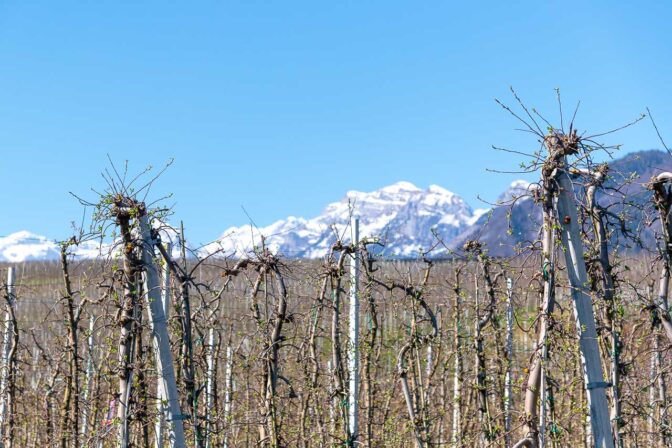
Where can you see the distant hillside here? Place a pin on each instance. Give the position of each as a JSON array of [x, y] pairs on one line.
[[507, 227]]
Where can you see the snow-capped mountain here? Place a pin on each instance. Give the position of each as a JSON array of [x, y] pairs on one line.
[[26, 246], [518, 189], [405, 219], [401, 216]]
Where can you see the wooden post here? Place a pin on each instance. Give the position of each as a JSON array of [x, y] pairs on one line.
[[531, 439], [353, 358], [483, 316], [128, 316], [158, 323], [583, 310]]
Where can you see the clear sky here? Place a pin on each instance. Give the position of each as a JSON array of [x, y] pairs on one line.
[[283, 106]]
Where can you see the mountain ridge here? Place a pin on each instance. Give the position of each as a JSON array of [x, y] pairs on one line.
[[404, 218]]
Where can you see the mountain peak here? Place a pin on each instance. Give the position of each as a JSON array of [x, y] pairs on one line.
[[402, 216], [437, 189], [401, 186], [24, 245], [516, 189], [23, 235], [520, 183]]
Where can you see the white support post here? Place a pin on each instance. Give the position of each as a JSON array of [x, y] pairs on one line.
[[456, 434], [165, 278], [650, 420], [430, 360], [508, 391], [430, 354], [332, 404], [210, 383], [543, 396], [89, 378], [353, 358], [228, 394], [158, 323], [583, 310], [6, 347], [161, 396], [543, 393]]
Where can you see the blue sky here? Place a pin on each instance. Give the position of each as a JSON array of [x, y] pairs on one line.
[[282, 106]]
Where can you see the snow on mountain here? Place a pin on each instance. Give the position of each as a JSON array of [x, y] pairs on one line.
[[518, 189], [406, 219], [26, 246], [477, 215], [401, 216], [20, 246]]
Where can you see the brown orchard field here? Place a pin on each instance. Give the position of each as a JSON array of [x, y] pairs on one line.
[[309, 407]]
